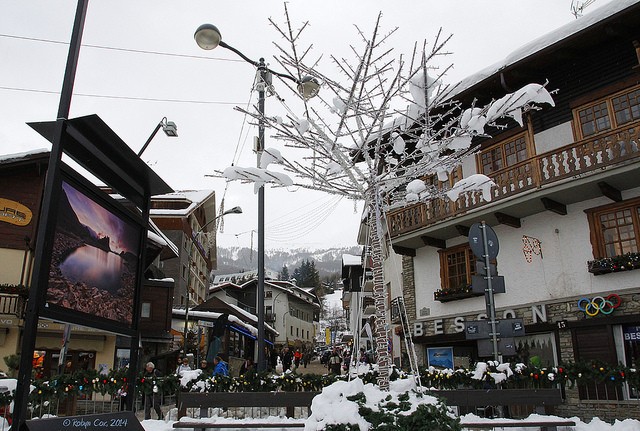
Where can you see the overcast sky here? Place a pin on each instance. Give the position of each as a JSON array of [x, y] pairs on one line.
[[139, 63]]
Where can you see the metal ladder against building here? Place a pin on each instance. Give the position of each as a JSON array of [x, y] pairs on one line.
[[408, 340]]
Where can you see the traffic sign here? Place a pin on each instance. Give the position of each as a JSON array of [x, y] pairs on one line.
[[477, 244], [481, 329], [479, 284]]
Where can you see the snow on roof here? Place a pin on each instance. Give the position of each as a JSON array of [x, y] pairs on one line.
[[541, 43], [156, 238], [16, 157], [157, 233], [351, 260], [212, 315], [195, 198]]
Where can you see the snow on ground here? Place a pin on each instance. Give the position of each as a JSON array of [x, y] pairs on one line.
[[333, 407], [594, 425]]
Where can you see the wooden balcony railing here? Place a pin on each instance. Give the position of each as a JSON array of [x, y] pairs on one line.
[[575, 160]]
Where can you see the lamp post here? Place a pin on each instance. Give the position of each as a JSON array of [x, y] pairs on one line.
[[208, 37], [168, 127], [234, 210]]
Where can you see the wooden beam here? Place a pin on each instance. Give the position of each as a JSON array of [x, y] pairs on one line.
[[508, 220], [554, 206], [433, 242], [404, 251], [462, 229], [609, 191]]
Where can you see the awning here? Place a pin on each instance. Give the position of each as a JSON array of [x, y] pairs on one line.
[[243, 331]]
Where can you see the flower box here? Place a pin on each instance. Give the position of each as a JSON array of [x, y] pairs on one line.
[[445, 295], [625, 262]]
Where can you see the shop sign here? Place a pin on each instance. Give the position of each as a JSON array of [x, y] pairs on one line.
[[539, 314], [631, 333], [14, 212]]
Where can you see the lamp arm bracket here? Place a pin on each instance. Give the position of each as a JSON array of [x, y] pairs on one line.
[[257, 64], [240, 54]]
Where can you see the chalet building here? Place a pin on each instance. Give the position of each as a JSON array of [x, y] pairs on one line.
[[22, 178], [224, 329], [565, 209], [186, 218], [291, 311]]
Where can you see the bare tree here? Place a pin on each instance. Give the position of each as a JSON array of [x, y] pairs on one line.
[[373, 132]]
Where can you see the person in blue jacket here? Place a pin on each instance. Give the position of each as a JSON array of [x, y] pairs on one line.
[[220, 367]]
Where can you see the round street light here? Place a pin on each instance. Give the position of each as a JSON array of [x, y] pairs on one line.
[[207, 36], [308, 87]]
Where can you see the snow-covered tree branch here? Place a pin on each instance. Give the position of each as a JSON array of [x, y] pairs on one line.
[[379, 126]]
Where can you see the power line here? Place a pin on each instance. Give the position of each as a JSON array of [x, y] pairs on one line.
[[106, 96], [111, 48]]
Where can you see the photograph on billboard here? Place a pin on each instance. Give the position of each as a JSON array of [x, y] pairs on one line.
[[440, 357], [94, 259]]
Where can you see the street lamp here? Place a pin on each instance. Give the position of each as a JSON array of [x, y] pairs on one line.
[[168, 127], [234, 210], [208, 37]]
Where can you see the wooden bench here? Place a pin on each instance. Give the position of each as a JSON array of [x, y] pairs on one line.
[[539, 398], [550, 425], [205, 401]]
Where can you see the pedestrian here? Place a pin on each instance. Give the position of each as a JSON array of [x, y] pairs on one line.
[[335, 362], [183, 366], [151, 392], [220, 367], [306, 358], [204, 366], [297, 357], [347, 361], [287, 359], [363, 356], [247, 367]]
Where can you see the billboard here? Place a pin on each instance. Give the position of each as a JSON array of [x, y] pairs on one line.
[[440, 357], [95, 259]]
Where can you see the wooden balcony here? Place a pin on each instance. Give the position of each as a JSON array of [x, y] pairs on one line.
[[578, 161]]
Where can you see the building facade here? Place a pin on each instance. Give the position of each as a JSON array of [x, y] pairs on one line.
[[291, 311], [185, 217], [565, 210]]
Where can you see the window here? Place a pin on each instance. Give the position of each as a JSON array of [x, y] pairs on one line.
[[602, 115], [504, 154], [457, 265], [615, 228], [268, 294], [454, 176], [145, 310]]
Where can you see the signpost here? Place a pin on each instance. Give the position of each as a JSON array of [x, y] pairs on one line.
[[493, 336]]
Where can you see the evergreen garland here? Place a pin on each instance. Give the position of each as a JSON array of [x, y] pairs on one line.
[[88, 382]]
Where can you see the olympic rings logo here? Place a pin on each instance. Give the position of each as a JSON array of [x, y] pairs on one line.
[[599, 304]]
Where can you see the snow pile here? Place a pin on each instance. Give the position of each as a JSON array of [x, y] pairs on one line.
[[332, 406], [473, 182]]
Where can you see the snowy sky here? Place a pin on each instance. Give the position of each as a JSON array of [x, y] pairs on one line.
[[139, 63]]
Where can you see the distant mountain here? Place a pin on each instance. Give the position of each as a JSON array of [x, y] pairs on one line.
[[327, 261]]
